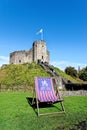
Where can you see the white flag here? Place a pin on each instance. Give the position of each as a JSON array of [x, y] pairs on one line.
[[40, 31]]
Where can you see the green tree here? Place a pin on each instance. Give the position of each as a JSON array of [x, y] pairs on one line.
[[83, 74], [71, 71]]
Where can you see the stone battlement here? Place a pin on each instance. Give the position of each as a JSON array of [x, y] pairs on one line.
[[37, 53]]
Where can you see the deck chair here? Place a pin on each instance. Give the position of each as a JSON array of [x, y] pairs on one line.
[[46, 93]]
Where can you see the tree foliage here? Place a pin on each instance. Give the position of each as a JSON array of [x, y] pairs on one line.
[[71, 71], [83, 74]]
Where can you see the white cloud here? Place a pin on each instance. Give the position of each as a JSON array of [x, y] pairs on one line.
[[63, 64], [4, 60]]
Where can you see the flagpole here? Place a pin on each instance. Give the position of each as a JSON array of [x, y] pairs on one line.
[[42, 35]]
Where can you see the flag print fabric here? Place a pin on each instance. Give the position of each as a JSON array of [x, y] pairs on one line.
[[44, 89]]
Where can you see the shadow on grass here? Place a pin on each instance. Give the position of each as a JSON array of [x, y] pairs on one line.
[[41, 104], [79, 126]]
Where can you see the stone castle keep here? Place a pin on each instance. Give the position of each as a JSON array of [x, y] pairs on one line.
[[37, 53]]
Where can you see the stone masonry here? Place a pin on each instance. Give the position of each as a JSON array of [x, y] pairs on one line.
[[37, 53]]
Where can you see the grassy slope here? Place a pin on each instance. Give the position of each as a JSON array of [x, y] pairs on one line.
[[18, 74], [75, 80], [17, 114]]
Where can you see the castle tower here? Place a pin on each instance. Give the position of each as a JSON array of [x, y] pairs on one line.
[[39, 52]]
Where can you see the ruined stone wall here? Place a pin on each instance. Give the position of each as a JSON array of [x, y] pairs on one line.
[[48, 57], [30, 55], [37, 52], [20, 57], [73, 93]]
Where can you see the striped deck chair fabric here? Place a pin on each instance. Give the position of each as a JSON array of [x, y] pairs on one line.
[[45, 91]]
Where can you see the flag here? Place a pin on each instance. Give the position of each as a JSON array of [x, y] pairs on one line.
[[40, 31]]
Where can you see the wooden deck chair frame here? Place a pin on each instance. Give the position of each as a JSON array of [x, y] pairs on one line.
[[60, 100]]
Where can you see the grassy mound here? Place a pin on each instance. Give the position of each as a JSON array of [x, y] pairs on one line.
[[18, 75]]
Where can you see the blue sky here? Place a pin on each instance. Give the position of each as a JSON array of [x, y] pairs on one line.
[[64, 24]]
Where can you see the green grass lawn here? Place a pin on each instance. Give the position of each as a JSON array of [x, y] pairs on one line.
[[17, 114]]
